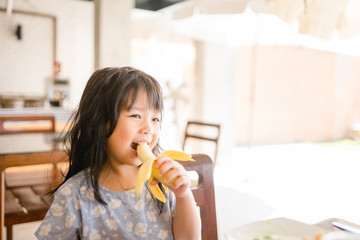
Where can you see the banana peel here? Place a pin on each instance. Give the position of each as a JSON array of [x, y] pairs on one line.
[[148, 171]]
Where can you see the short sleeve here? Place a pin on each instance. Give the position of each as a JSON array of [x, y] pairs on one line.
[[62, 218]]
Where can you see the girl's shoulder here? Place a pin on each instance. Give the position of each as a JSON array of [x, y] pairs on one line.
[[75, 183]]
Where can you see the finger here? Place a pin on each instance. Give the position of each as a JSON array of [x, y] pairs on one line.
[[161, 160], [166, 166], [154, 181], [171, 174], [181, 181], [174, 175]]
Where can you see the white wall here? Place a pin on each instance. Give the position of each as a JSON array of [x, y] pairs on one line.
[[24, 63], [217, 89], [299, 95], [112, 32], [28, 62]]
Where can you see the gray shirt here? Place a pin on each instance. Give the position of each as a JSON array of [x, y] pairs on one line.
[[75, 212]]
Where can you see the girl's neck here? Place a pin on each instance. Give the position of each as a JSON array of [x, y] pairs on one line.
[[120, 178]]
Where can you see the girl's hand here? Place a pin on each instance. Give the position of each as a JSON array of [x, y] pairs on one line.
[[170, 169], [187, 222]]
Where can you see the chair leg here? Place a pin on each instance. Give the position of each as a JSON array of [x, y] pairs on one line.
[[9, 232]]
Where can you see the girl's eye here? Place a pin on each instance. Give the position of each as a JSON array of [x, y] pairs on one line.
[[135, 116], [156, 119]]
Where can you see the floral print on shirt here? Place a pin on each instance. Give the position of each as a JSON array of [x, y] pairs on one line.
[[76, 213]]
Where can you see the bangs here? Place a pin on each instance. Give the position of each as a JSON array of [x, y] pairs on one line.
[[153, 94]]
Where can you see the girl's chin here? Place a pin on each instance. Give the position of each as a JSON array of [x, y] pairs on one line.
[[136, 162]]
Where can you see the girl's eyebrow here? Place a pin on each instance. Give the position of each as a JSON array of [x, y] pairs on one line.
[[142, 109], [136, 108]]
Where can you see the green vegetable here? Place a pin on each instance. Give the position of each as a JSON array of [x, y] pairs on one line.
[[268, 237]]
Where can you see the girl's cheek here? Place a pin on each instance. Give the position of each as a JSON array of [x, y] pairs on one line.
[[153, 143], [156, 135]]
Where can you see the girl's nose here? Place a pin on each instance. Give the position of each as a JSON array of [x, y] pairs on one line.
[[147, 128]]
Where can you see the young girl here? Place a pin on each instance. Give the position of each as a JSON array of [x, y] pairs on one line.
[[97, 200]]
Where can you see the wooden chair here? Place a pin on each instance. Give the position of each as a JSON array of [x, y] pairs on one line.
[[204, 194], [26, 185], [27, 124], [202, 131], [25, 195]]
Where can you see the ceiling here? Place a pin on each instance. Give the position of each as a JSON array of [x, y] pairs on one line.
[[154, 5]]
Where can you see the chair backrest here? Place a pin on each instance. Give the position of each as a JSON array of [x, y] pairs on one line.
[[23, 194], [27, 124], [204, 194], [24, 189], [204, 132]]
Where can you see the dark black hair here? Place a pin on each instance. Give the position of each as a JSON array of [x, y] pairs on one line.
[[107, 92]]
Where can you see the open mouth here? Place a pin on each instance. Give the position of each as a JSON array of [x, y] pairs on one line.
[[134, 145]]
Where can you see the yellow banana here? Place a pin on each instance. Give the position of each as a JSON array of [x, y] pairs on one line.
[[148, 171]]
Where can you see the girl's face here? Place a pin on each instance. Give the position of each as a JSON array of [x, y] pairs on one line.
[[140, 124]]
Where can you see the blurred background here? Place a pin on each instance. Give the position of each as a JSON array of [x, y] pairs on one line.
[[270, 72]]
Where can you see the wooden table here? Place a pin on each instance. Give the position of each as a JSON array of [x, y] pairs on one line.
[[23, 150]]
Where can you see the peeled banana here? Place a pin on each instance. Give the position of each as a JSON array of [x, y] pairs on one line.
[[148, 171]]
